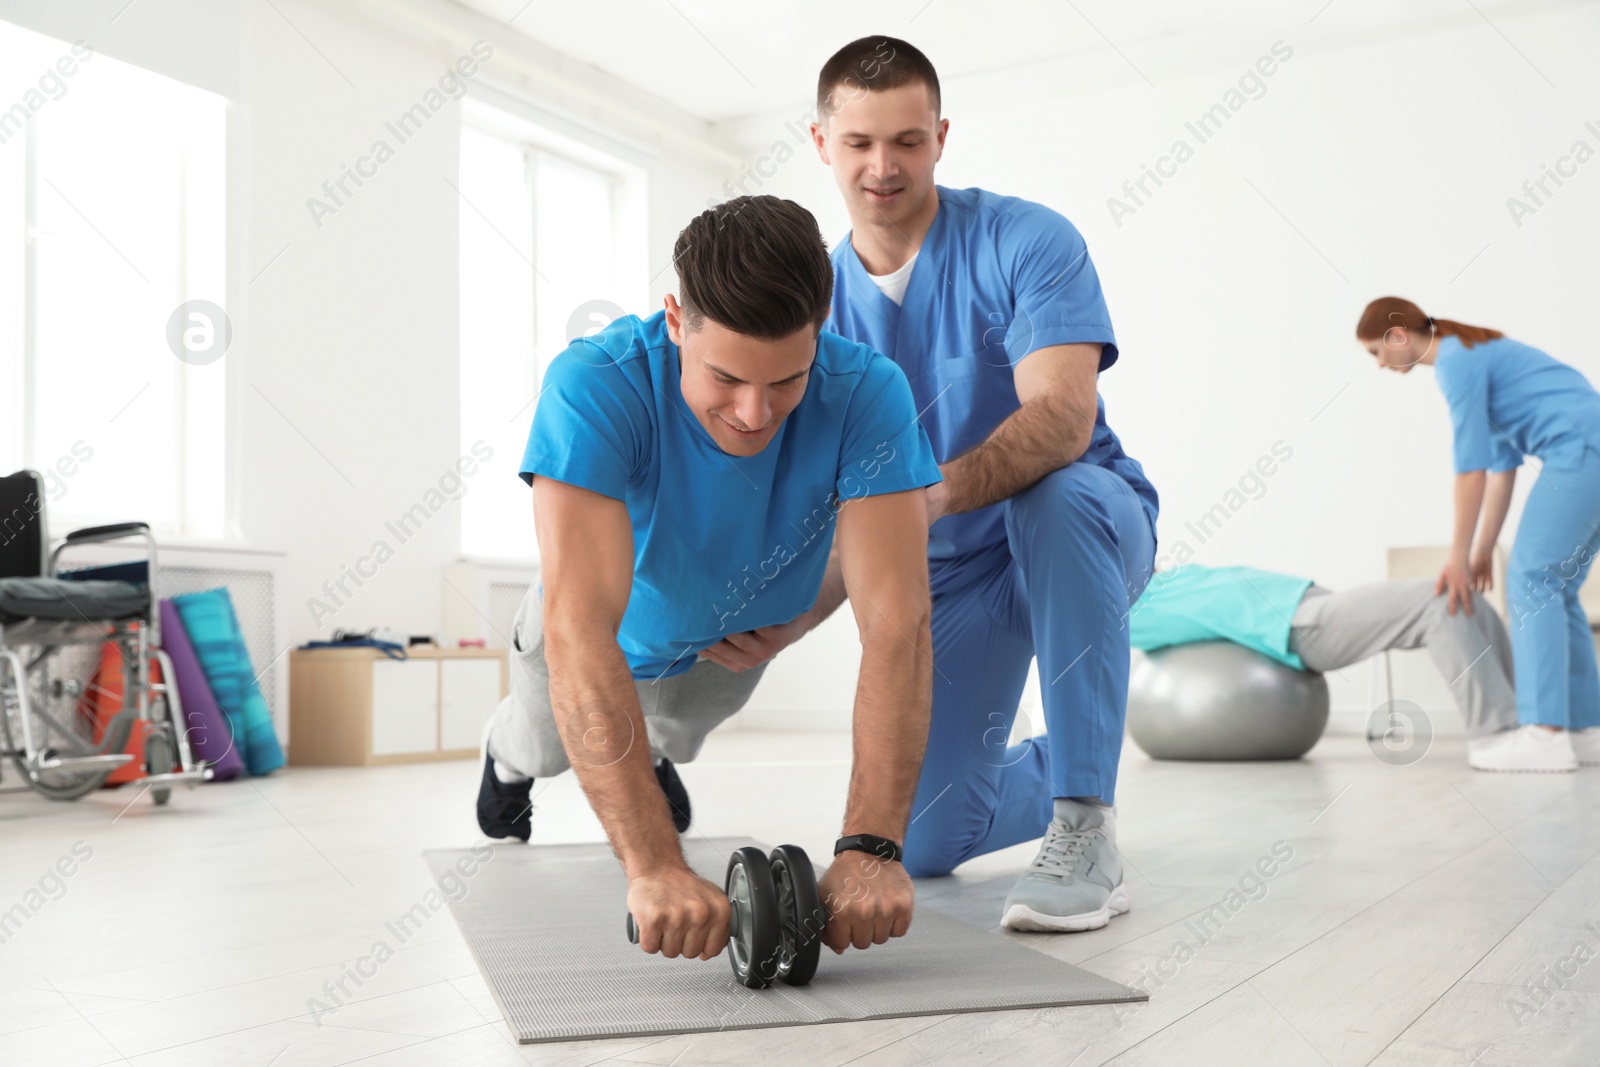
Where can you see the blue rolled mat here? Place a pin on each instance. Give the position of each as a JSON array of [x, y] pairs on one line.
[[219, 643]]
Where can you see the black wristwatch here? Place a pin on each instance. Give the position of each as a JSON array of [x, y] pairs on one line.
[[880, 847]]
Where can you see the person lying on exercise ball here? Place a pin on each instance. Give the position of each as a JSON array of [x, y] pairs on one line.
[[687, 471], [1310, 627]]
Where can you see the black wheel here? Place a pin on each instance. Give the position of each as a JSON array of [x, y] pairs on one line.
[[801, 917], [753, 924], [159, 759]]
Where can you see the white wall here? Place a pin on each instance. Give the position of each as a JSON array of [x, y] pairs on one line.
[[1394, 160]]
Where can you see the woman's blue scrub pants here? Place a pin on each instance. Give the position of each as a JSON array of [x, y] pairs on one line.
[[1552, 647], [1079, 549]]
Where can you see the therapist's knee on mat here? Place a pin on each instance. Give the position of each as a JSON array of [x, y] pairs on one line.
[[931, 850]]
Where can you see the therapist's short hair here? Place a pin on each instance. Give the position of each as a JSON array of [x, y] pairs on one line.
[[872, 64], [756, 265]]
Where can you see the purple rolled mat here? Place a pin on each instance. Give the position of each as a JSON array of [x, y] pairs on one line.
[[209, 738]]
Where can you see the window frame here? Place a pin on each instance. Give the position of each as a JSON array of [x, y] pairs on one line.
[[547, 138], [194, 209]]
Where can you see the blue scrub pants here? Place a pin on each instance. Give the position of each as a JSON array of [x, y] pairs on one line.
[[1552, 648], [1079, 549]]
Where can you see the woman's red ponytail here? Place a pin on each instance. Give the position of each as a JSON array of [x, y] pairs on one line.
[[1388, 312]]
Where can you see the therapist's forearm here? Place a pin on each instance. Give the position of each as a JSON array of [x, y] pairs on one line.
[[1469, 498], [893, 696], [602, 727], [1496, 503], [1045, 434]]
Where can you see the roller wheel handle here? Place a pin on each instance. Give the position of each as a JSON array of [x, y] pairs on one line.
[[768, 932]]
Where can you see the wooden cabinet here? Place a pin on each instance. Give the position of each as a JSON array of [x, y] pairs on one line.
[[353, 707], [470, 688]]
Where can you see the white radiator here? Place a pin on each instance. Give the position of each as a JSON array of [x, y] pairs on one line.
[[480, 600], [504, 600], [254, 593], [254, 580]]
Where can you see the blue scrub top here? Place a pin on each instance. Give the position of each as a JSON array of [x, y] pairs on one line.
[[995, 279], [1509, 400], [722, 544], [1244, 605]]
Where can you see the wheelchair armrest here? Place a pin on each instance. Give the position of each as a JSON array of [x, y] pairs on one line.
[[112, 532], [105, 533]]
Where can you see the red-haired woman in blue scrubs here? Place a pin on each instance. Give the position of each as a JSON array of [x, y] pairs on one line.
[[1509, 400]]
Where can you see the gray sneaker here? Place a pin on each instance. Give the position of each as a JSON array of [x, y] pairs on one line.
[[1075, 882]]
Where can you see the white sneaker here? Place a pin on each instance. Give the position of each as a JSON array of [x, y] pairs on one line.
[[1075, 882], [1586, 745], [1526, 748]]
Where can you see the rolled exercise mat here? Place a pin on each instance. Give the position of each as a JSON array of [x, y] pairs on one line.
[[209, 737], [219, 644], [546, 925]]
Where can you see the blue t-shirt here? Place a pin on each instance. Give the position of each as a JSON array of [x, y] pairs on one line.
[[722, 543], [1509, 400], [1249, 607], [995, 279]]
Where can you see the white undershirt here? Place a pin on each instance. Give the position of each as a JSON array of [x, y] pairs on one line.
[[893, 285]]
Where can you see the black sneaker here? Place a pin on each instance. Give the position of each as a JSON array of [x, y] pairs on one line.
[[677, 795], [503, 807]]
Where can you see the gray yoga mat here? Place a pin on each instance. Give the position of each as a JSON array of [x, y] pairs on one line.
[[546, 924]]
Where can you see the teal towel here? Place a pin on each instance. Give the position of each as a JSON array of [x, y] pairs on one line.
[[1247, 606], [218, 642]]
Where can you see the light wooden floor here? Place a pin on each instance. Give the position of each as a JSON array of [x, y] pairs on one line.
[[1417, 902]]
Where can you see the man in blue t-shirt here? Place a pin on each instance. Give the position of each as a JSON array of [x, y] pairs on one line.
[[1045, 527], [691, 472]]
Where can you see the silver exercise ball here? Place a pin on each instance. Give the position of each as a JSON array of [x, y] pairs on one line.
[[1215, 700]]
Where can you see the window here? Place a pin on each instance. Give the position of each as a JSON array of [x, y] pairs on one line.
[[111, 216], [548, 251]]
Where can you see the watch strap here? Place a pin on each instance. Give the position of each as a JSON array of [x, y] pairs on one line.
[[881, 847]]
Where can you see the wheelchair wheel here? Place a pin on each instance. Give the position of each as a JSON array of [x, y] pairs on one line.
[[160, 746], [56, 784], [159, 760], [49, 708]]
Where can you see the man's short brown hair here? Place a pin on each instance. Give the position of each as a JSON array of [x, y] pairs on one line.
[[756, 265], [872, 64]]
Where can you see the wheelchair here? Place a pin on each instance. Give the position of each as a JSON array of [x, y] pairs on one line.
[[53, 625]]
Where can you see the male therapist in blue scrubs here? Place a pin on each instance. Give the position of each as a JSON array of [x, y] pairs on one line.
[[1043, 529]]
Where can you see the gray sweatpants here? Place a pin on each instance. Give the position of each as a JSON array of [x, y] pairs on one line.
[[1473, 653], [678, 711]]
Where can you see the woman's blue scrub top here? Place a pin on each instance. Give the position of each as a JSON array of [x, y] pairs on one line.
[[1509, 400]]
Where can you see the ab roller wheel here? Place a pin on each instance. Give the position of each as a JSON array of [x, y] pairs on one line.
[[776, 920], [800, 914], [753, 923]]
